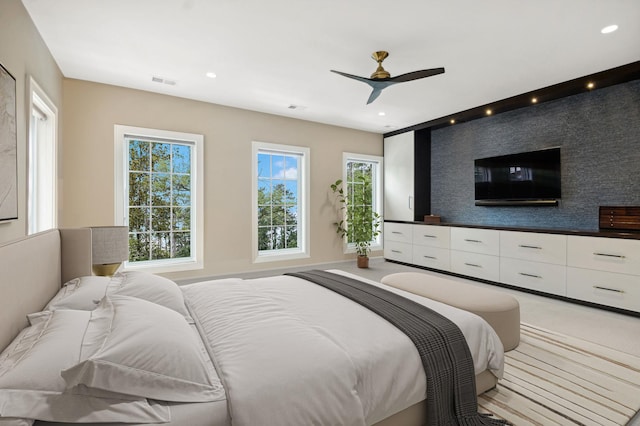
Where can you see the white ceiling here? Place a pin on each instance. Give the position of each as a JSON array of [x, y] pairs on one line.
[[269, 55]]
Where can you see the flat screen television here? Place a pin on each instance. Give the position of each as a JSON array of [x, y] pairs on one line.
[[527, 178]]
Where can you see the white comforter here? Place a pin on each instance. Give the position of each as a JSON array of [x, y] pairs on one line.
[[290, 352]]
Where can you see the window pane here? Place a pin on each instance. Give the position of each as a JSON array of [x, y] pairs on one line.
[[160, 157], [161, 245], [139, 247], [161, 219], [139, 219], [181, 190], [161, 189], [264, 215], [264, 165], [291, 168], [181, 219], [277, 166], [182, 244], [181, 159], [264, 238], [138, 155], [138, 189]]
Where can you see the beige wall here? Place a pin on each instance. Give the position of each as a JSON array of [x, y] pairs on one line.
[[92, 110], [23, 53]]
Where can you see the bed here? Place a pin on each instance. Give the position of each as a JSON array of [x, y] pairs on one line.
[[264, 351]]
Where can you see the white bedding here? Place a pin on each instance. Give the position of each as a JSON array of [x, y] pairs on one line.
[[290, 352]]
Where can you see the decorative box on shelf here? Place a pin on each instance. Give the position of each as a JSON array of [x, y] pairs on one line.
[[620, 218], [431, 219]]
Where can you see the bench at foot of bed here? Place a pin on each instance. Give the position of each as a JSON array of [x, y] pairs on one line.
[[499, 309]]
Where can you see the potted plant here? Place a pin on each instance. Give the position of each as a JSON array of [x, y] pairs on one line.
[[359, 224]]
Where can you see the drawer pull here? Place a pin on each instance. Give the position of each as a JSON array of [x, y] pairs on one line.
[[396, 232], [473, 265], [530, 275], [396, 251], [619, 256], [430, 257], [531, 247], [472, 241], [597, 287], [429, 236]]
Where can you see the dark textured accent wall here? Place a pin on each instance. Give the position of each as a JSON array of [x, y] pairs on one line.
[[599, 133]]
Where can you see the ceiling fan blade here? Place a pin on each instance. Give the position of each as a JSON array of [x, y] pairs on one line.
[[355, 77], [374, 94], [417, 74]]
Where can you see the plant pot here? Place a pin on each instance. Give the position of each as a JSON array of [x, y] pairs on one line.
[[363, 261]]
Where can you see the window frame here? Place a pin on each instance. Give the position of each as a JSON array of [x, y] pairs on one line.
[[40, 101], [121, 135], [303, 251], [377, 186]]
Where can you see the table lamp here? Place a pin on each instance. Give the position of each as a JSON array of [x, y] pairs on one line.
[[109, 248]]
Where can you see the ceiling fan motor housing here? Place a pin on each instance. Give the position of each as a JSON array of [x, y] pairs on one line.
[[380, 72]]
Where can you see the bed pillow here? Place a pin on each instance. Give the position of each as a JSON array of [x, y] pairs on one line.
[[82, 293], [150, 287], [145, 350], [31, 386]]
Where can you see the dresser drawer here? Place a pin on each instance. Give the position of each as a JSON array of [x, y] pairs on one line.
[[432, 236], [548, 248], [605, 288], [477, 265], [605, 254], [431, 257], [402, 252], [543, 277], [485, 241], [401, 232]]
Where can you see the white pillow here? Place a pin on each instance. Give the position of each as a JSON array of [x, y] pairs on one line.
[[31, 386], [153, 288], [143, 349], [82, 293]]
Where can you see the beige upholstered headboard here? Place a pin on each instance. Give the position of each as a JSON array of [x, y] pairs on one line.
[[32, 269]]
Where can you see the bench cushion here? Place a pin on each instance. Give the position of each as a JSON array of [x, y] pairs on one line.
[[499, 309]]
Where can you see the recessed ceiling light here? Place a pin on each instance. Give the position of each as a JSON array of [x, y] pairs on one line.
[[489, 112], [382, 114], [211, 74], [591, 85], [452, 121], [609, 29], [534, 100]]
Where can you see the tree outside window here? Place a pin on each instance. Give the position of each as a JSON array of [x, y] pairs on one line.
[[280, 202], [159, 200], [277, 201]]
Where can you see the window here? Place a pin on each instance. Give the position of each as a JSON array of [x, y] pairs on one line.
[[280, 206], [159, 197], [42, 179], [363, 178]]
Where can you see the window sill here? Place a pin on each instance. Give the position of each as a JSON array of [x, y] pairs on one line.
[[163, 266]]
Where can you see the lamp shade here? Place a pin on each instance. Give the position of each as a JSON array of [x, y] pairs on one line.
[[109, 244]]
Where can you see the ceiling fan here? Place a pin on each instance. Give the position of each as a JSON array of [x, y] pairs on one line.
[[381, 79]]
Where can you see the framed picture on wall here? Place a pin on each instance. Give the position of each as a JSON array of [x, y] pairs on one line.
[[8, 147]]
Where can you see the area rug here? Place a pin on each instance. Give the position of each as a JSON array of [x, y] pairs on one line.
[[553, 379]]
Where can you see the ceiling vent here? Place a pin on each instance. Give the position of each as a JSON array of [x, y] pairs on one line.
[[163, 80]]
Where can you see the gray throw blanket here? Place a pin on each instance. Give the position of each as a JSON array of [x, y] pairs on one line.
[[445, 355]]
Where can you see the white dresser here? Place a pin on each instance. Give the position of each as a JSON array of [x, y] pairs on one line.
[[475, 252], [534, 261], [596, 269], [604, 271]]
